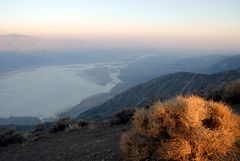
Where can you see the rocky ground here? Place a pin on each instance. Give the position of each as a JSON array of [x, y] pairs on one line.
[[100, 142]]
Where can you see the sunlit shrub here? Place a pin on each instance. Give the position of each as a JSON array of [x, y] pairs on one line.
[[185, 128]]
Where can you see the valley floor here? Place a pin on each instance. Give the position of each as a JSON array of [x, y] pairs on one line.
[[100, 143]]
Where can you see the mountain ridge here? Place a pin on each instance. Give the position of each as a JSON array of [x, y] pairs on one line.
[[163, 87]]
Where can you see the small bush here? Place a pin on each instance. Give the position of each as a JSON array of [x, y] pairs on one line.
[[38, 136], [39, 132], [39, 128], [148, 102], [67, 124], [122, 117], [83, 123], [77, 125], [186, 128], [231, 93], [12, 137], [61, 124], [72, 127], [216, 93]]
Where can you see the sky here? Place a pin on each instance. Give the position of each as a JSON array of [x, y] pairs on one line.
[[196, 23]]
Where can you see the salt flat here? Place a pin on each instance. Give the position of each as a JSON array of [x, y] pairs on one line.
[[48, 90]]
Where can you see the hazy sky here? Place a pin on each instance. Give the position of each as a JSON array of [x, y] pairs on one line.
[[202, 22]]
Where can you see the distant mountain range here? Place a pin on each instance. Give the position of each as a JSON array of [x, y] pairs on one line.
[[24, 120], [231, 62], [24, 43], [164, 87], [17, 42]]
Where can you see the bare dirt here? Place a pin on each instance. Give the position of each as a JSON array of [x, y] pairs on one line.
[[97, 143]]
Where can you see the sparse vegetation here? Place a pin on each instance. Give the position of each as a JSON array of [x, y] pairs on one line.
[[67, 124], [10, 136], [62, 124], [185, 128]]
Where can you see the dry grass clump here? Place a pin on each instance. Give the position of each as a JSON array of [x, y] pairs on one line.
[[186, 128]]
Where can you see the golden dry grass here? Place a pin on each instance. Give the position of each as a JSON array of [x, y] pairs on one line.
[[185, 128]]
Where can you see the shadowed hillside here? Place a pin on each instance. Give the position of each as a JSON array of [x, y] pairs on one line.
[[163, 87]]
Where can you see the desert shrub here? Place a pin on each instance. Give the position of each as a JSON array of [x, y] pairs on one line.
[[67, 124], [185, 128], [216, 93], [12, 137], [151, 101], [61, 124], [72, 127], [35, 136], [122, 117], [77, 125], [39, 128], [231, 93], [83, 123], [39, 132]]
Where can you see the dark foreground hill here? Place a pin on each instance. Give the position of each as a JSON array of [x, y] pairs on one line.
[[96, 142], [163, 87]]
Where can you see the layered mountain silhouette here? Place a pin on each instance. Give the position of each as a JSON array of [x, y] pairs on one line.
[[17, 42], [24, 120], [24, 43], [163, 87], [231, 62]]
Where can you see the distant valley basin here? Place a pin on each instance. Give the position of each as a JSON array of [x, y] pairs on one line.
[[47, 91]]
